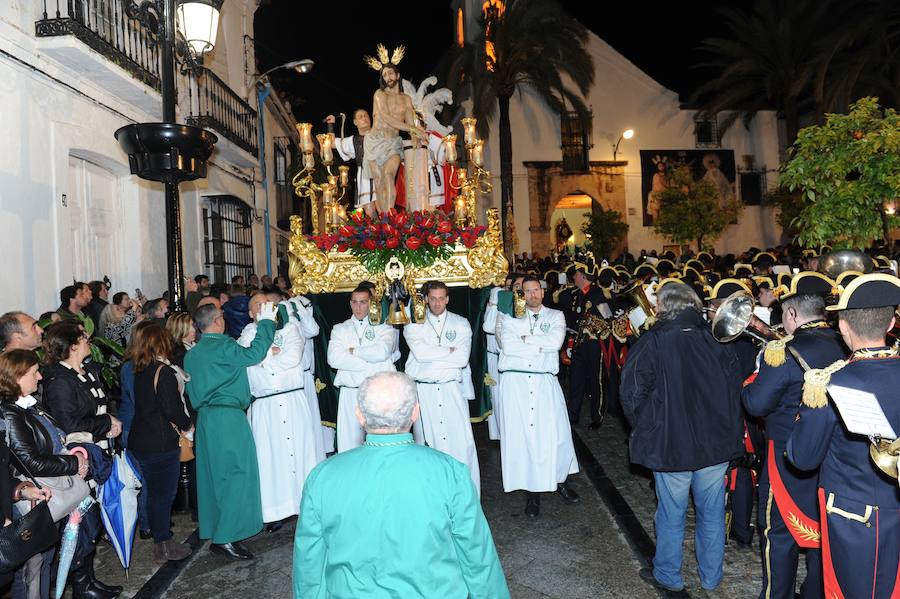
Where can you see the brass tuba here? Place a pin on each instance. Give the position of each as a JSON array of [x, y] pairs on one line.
[[885, 454], [839, 261], [735, 317], [635, 293]]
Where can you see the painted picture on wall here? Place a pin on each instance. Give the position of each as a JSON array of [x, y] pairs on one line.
[[716, 166]]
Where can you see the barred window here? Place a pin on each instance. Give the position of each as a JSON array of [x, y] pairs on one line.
[[576, 142], [706, 132], [227, 238]]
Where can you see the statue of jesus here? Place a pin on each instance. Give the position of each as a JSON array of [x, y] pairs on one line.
[[392, 112]]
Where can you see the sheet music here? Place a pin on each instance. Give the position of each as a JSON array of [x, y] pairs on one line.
[[637, 318], [861, 412]]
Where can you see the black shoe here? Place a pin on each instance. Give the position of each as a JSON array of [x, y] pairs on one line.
[[740, 544], [231, 550], [145, 534], [83, 589], [595, 425], [647, 575], [110, 589], [567, 493], [532, 504], [274, 526]]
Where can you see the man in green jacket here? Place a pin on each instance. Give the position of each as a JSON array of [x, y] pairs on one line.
[[392, 518], [227, 470]]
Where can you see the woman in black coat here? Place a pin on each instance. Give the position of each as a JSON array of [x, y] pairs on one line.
[[36, 443], [74, 394]]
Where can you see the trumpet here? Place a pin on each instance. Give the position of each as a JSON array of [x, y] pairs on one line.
[[735, 317]]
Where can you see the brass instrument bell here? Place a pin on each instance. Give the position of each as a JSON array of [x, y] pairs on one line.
[[519, 303], [735, 317], [885, 454], [839, 261]]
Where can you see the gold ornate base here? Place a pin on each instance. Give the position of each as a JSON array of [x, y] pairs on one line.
[[314, 271]]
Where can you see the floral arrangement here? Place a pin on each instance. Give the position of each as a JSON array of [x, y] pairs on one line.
[[416, 238]]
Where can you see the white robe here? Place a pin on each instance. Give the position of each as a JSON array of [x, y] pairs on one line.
[[373, 352], [283, 429], [301, 312], [365, 192], [489, 326], [440, 380], [536, 451]]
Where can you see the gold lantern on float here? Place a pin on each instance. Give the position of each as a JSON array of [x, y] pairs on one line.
[[473, 180], [328, 195]]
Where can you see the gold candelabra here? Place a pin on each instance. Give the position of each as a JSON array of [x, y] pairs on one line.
[[474, 179], [332, 191]]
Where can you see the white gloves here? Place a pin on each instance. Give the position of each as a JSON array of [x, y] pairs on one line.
[[267, 311]]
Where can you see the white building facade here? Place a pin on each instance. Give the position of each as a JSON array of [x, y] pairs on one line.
[[72, 72], [623, 97]]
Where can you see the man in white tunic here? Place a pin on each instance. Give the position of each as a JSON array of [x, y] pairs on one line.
[[283, 429], [536, 451], [351, 148], [300, 311], [357, 350], [489, 326], [438, 361]]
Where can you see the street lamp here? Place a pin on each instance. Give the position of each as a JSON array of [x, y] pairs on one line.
[[626, 134], [301, 67], [170, 152]]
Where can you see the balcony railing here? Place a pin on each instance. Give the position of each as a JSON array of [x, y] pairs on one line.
[[214, 105], [103, 26]]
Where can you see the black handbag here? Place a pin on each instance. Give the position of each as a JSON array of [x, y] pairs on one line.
[[29, 535]]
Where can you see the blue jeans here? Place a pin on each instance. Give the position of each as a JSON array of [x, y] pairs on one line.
[[143, 518], [673, 489], [160, 471]]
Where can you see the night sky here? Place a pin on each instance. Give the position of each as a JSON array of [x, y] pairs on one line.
[[660, 38]]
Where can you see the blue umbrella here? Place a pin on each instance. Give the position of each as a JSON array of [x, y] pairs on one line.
[[68, 543], [118, 505]]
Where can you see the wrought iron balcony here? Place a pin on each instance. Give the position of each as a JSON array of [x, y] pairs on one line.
[[214, 105], [103, 26]]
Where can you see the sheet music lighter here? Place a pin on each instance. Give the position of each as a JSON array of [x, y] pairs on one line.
[[861, 412]]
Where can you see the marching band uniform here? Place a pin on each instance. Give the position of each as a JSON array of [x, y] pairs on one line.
[[859, 506], [584, 371], [536, 447], [283, 429], [373, 351], [439, 374], [300, 311], [788, 512]]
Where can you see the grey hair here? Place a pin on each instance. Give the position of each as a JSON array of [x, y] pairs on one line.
[[806, 305], [387, 400], [675, 298], [205, 316]]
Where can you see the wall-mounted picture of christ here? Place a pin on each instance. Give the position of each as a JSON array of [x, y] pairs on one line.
[[715, 166]]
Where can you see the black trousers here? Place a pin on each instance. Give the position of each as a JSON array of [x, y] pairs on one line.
[[584, 381]]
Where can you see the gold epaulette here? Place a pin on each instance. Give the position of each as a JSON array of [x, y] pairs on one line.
[[815, 384], [774, 354]]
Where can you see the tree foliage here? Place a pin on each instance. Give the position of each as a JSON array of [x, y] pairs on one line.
[[605, 230], [691, 211], [847, 170], [789, 204]]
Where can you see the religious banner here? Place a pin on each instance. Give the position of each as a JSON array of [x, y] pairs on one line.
[[715, 166]]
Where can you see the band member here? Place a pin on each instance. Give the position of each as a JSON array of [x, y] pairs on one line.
[[438, 360], [787, 514], [357, 350], [584, 371], [859, 505], [536, 448], [742, 473]]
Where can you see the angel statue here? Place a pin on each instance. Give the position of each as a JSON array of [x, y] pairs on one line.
[[427, 181]]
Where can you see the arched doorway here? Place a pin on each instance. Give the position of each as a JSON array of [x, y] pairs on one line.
[[567, 217]]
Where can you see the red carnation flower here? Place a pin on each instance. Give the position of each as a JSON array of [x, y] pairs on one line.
[[413, 243], [346, 231], [392, 242], [435, 240], [445, 226]]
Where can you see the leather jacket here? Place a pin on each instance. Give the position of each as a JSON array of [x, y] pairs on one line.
[[30, 440]]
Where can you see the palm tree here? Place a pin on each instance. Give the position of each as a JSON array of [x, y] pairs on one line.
[[768, 59], [531, 43]]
